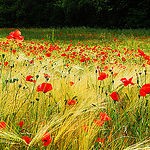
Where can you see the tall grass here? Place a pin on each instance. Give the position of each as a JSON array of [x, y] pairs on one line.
[[73, 126]]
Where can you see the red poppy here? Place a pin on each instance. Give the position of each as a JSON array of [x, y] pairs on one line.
[[30, 78], [27, 139], [115, 96], [99, 122], [102, 76], [71, 83], [123, 59], [63, 54], [145, 89], [71, 102], [45, 87], [31, 62], [126, 82], [15, 35], [39, 58], [6, 63], [104, 117], [46, 139], [47, 76], [2, 125], [48, 54], [85, 127], [99, 140], [21, 124]]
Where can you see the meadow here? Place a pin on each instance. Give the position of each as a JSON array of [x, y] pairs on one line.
[[74, 89]]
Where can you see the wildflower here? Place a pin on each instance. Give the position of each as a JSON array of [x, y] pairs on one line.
[[27, 139], [31, 62], [123, 59], [82, 60], [46, 139], [39, 58], [104, 117], [85, 128], [45, 87], [30, 78], [126, 82], [15, 35], [99, 140], [47, 76], [71, 102], [6, 63], [71, 83], [48, 54], [145, 89], [99, 122], [102, 76], [21, 124], [2, 125], [115, 96]]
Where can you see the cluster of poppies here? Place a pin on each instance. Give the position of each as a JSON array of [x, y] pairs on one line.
[[103, 117], [15, 35]]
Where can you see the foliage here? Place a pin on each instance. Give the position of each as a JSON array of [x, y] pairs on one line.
[[58, 13]]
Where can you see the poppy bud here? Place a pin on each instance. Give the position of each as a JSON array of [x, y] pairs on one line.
[[37, 99], [3, 55], [20, 85], [37, 76], [139, 96], [106, 93]]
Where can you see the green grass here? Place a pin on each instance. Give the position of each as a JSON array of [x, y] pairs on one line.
[[73, 127]]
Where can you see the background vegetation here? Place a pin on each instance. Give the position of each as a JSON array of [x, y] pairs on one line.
[[93, 13]]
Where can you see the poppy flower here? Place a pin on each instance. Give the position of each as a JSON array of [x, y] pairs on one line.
[[48, 54], [30, 78], [71, 102], [31, 62], [71, 83], [46, 139], [6, 63], [123, 59], [39, 58], [15, 35], [99, 122], [115, 96], [126, 82], [47, 76], [44, 87], [145, 89], [104, 117], [102, 76], [99, 140], [82, 60], [21, 124], [27, 139], [85, 128], [2, 125]]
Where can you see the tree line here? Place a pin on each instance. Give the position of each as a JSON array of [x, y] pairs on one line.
[[91, 13]]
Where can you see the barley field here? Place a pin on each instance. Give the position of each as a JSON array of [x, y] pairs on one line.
[[74, 89]]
